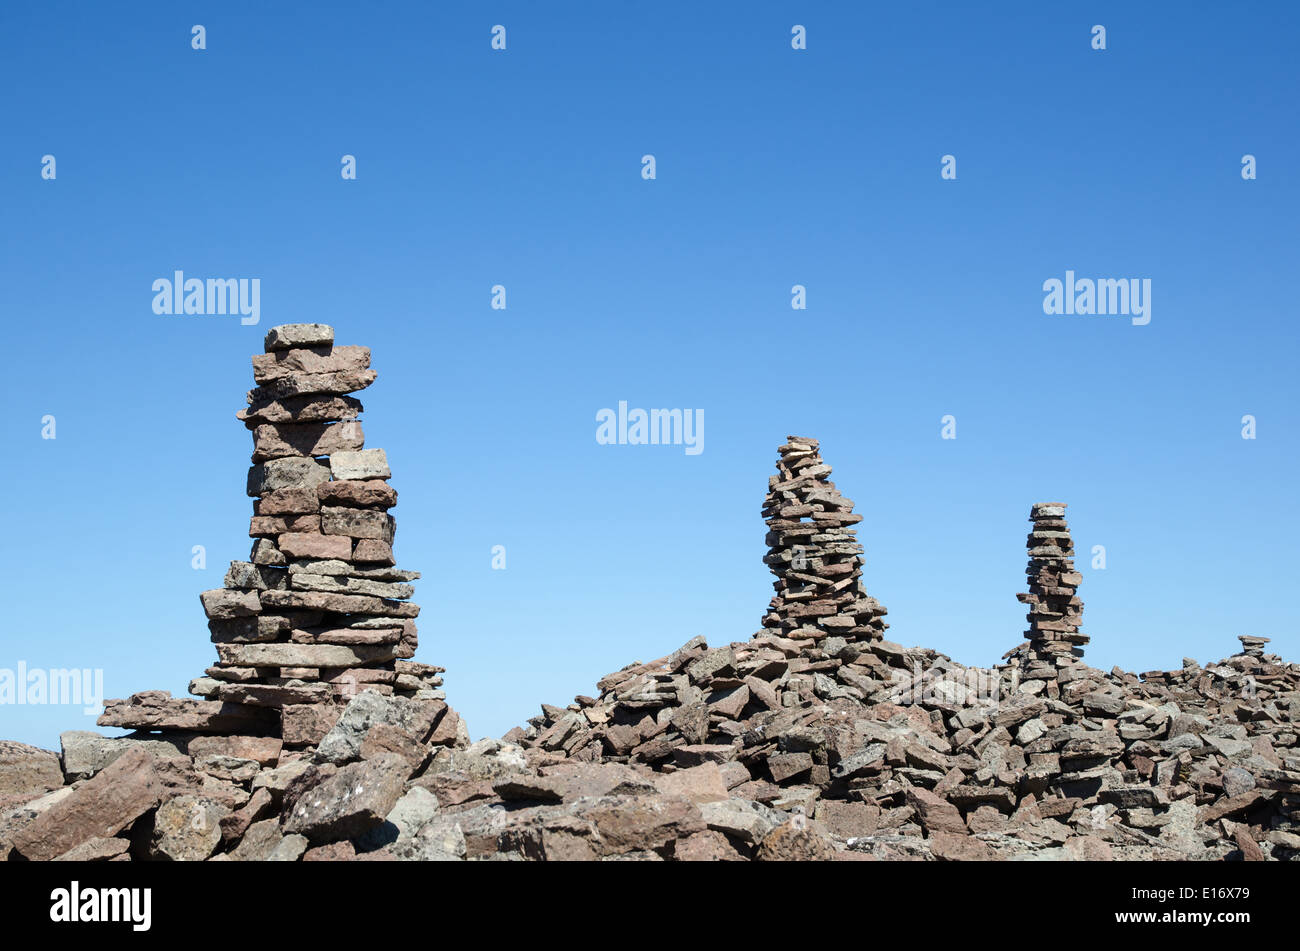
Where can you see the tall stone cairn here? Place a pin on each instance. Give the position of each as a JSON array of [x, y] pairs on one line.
[[320, 611], [815, 553], [1055, 610]]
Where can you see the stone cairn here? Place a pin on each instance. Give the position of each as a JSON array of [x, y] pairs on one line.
[[319, 611], [794, 744], [815, 553], [1055, 610]]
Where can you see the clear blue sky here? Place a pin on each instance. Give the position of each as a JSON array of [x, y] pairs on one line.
[[775, 167]]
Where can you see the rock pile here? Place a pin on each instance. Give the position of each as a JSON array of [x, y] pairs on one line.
[[314, 688], [1055, 610], [902, 753], [319, 610], [815, 553], [800, 743]]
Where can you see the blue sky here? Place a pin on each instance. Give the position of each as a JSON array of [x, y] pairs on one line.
[[774, 167]]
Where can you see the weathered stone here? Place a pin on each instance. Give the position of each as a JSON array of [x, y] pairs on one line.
[[265, 841], [289, 502], [187, 829], [222, 603], [740, 818], [785, 766], [85, 753], [157, 710], [300, 409], [439, 840], [795, 840], [289, 473], [96, 850], [289, 336], [277, 365], [413, 812], [365, 464], [955, 847], [351, 802], [27, 770], [706, 846], [235, 824], [331, 852], [337, 603], [416, 718], [315, 545], [273, 695], [302, 655], [370, 494], [640, 823], [307, 724], [279, 440], [386, 738], [373, 551], [848, 819], [703, 783], [106, 804], [935, 813], [300, 384], [264, 750], [347, 585], [357, 523]]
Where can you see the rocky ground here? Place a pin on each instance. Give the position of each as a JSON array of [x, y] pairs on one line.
[[772, 748], [316, 737]]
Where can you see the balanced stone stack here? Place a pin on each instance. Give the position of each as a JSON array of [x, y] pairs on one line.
[[815, 553], [1055, 610], [1252, 645], [319, 611]]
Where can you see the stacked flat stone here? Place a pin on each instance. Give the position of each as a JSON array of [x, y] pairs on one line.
[[319, 611], [1252, 645], [1055, 610], [814, 553]]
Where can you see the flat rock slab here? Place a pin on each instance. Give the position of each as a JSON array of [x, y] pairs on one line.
[[304, 384], [316, 545], [338, 603], [222, 604], [357, 523], [279, 440], [290, 473], [640, 823], [300, 409], [364, 464], [302, 655], [703, 783], [275, 365], [288, 336], [85, 752], [272, 695], [157, 710], [350, 585], [363, 493], [120, 794]]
